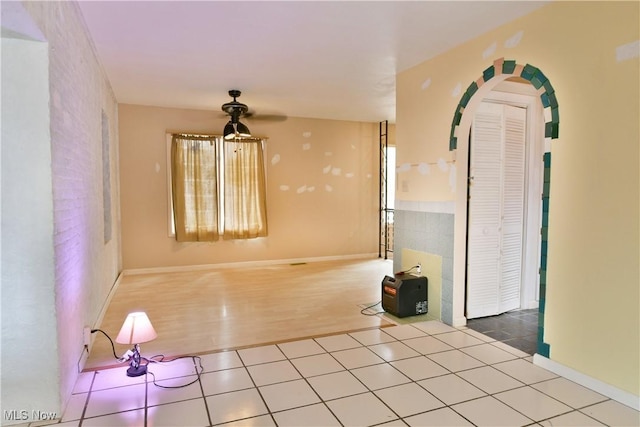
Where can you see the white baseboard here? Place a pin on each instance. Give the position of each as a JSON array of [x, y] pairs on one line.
[[459, 321], [598, 386], [105, 305], [246, 264], [107, 301]]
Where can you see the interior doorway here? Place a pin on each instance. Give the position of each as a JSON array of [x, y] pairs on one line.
[[547, 103], [506, 146]]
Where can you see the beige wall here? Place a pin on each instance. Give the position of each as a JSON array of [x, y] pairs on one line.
[[592, 314], [322, 189]]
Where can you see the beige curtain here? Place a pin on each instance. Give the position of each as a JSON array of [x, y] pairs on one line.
[[245, 207], [194, 174]]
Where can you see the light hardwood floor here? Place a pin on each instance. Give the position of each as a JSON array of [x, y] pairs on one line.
[[200, 311]]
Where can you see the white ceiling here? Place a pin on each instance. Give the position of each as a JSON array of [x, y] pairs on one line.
[[320, 59]]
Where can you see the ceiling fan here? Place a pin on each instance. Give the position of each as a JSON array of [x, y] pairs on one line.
[[235, 110]]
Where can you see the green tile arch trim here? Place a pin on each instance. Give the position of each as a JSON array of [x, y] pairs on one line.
[[545, 100], [510, 67], [528, 72], [465, 100], [552, 129], [457, 117], [489, 73], [538, 79], [553, 101], [544, 349]]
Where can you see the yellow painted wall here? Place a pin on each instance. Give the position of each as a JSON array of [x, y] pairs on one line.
[[592, 306], [322, 189]]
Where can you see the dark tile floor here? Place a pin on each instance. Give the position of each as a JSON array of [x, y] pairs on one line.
[[517, 328]]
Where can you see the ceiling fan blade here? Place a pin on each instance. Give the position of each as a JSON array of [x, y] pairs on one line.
[[237, 110], [252, 116]]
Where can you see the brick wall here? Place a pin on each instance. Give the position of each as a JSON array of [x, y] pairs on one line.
[[85, 267]]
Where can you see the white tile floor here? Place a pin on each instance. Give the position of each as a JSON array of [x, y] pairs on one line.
[[411, 375]]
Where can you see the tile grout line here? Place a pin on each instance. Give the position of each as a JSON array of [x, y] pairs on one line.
[[324, 402], [204, 397], [246, 368], [146, 397], [86, 402]]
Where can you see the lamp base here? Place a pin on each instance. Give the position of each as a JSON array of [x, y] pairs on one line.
[[136, 372]]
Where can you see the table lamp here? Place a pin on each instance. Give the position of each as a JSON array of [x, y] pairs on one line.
[[137, 328]]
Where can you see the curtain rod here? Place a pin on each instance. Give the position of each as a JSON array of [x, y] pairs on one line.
[[207, 136]]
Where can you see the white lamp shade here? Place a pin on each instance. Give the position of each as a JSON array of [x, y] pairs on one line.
[[137, 328]]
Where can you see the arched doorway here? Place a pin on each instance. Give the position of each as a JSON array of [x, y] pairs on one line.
[[500, 70]]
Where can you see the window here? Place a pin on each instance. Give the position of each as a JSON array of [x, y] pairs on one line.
[[391, 177], [217, 188]]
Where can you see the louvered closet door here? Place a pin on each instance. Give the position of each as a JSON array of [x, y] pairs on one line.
[[496, 199]]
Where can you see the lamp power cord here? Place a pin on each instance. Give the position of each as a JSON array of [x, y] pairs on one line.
[[197, 362], [363, 311], [124, 357]]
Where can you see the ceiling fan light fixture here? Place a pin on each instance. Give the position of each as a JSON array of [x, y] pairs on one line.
[[236, 130], [242, 130], [229, 131]]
